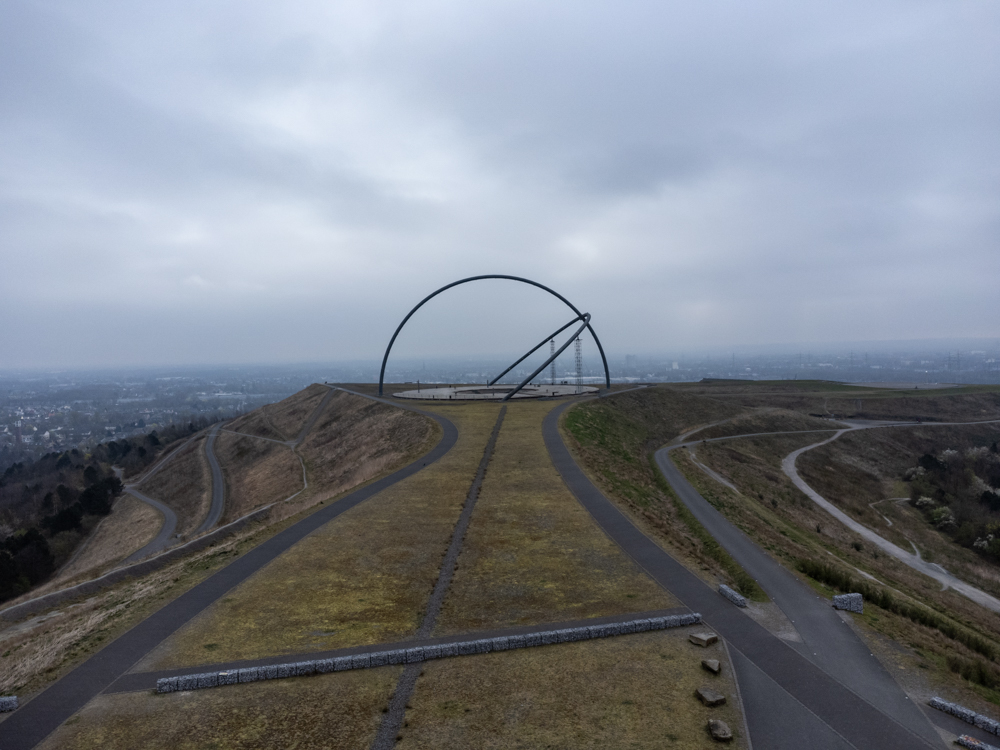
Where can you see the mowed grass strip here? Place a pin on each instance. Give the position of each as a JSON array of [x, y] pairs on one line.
[[311, 713], [363, 578], [630, 691], [532, 553]]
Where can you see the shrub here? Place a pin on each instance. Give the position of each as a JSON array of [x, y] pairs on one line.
[[840, 579]]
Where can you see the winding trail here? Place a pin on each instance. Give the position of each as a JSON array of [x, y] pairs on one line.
[[166, 530], [819, 695], [218, 485], [932, 570], [163, 538], [42, 714]]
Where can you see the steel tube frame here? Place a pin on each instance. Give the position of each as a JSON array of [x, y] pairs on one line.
[[385, 358], [547, 338], [551, 359]]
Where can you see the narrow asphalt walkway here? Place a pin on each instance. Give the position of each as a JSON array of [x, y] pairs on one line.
[[41, 715], [827, 641], [169, 526], [841, 712], [914, 561], [166, 530], [218, 485]]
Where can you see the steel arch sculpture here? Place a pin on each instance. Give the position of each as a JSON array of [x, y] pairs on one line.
[[580, 316]]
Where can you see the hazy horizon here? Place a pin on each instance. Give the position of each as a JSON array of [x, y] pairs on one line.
[[187, 183]]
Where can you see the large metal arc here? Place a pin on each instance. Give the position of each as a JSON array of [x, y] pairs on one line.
[[551, 359], [538, 346], [381, 375]]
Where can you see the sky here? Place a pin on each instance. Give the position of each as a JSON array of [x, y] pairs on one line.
[[221, 182]]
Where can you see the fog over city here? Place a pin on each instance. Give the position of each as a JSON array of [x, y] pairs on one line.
[[222, 183]]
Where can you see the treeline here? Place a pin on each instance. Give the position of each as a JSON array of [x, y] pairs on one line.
[[136, 453], [958, 492], [26, 558], [48, 507]]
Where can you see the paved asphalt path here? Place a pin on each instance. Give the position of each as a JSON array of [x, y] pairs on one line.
[[828, 641], [218, 484], [41, 715], [166, 530], [812, 701], [932, 570]]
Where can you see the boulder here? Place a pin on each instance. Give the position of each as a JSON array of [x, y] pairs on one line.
[[703, 639], [712, 665], [710, 697], [719, 730]]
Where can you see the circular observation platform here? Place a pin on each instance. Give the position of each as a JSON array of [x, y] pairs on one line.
[[495, 392]]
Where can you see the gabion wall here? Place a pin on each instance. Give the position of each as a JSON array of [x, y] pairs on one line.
[[966, 714], [419, 653], [972, 743], [732, 595], [850, 602]]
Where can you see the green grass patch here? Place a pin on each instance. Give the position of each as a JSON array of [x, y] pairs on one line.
[[745, 584], [617, 438], [842, 580]]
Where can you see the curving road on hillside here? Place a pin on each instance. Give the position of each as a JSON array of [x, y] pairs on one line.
[[41, 715], [166, 530], [828, 693], [218, 484], [932, 570], [825, 642]]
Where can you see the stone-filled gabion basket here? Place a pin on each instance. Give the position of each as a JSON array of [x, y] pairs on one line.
[[850, 602], [733, 596], [420, 653], [972, 743], [8, 703], [967, 715]]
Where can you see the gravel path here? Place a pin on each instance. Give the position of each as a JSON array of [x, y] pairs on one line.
[[931, 570]]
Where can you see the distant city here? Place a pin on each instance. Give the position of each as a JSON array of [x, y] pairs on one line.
[[42, 412]]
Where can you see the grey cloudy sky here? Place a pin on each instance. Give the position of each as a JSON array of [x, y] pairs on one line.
[[200, 182]]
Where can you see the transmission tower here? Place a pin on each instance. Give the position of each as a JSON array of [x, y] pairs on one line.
[[552, 368], [578, 346]]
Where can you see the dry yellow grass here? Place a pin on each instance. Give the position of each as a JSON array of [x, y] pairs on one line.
[[357, 439], [40, 650], [363, 578], [310, 713], [634, 691], [131, 525], [257, 472], [532, 553], [185, 484], [288, 417], [255, 423]]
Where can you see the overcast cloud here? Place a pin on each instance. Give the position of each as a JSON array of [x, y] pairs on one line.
[[200, 182]]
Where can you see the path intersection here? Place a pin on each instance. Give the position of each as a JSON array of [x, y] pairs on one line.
[[496, 533]]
